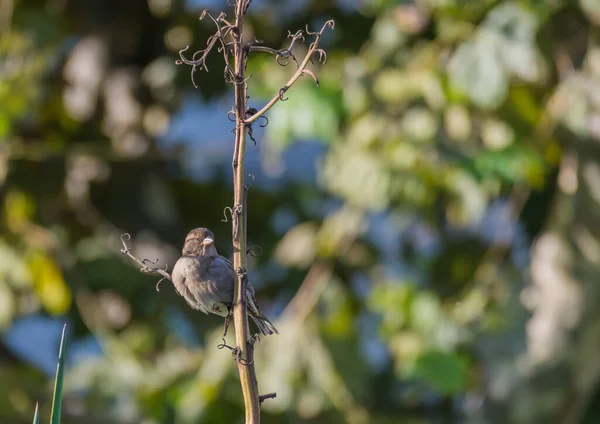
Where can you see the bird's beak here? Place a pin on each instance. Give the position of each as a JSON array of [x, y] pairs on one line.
[[207, 241]]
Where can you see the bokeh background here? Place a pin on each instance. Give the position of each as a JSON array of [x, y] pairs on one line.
[[428, 218]]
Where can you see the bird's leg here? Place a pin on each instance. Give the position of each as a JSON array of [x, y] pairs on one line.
[[227, 320], [254, 339]]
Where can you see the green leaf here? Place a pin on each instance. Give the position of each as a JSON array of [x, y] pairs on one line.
[[309, 113], [516, 163], [476, 69], [516, 26], [58, 382], [36, 415], [445, 372]]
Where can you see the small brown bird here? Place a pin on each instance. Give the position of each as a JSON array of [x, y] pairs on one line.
[[205, 279]]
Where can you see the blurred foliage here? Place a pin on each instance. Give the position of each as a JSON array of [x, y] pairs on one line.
[[427, 217]]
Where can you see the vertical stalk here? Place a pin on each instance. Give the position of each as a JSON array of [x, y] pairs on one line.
[[246, 369], [243, 119]]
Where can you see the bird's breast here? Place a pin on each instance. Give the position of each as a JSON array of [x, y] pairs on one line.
[[194, 277]]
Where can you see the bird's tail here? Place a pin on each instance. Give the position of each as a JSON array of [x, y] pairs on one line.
[[262, 322], [264, 325]]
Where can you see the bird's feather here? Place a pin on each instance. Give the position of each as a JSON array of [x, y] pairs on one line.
[[206, 280]]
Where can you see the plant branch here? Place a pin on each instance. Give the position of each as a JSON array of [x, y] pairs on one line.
[[312, 49], [245, 347], [297, 37], [243, 116], [126, 250], [219, 35], [262, 398]]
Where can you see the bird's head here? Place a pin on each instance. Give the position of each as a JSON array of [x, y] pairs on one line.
[[200, 242]]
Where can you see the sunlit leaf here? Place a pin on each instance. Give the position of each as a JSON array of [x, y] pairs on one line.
[[426, 312], [359, 177], [298, 247], [420, 124], [7, 305], [518, 163], [516, 26], [309, 113], [476, 68], [396, 86], [445, 372], [392, 302], [4, 124], [19, 208], [49, 283], [337, 312], [525, 104]]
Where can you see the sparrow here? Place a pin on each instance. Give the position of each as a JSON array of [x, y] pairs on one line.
[[206, 279]]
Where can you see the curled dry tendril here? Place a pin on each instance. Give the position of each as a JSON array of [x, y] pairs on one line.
[[126, 250]]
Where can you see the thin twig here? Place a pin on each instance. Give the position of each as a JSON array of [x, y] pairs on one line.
[[283, 54], [262, 398], [314, 47], [219, 35], [126, 250]]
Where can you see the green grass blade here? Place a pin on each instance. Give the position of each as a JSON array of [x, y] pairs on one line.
[[58, 382], [36, 416], [169, 414]]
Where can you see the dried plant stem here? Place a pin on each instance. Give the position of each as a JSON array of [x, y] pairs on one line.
[[313, 48], [244, 118], [240, 316]]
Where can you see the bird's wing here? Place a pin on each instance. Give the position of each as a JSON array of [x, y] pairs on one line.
[[222, 266], [221, 272], [227, 260], [249, 286]]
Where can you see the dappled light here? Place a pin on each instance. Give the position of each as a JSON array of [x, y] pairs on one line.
[[421, 216]]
